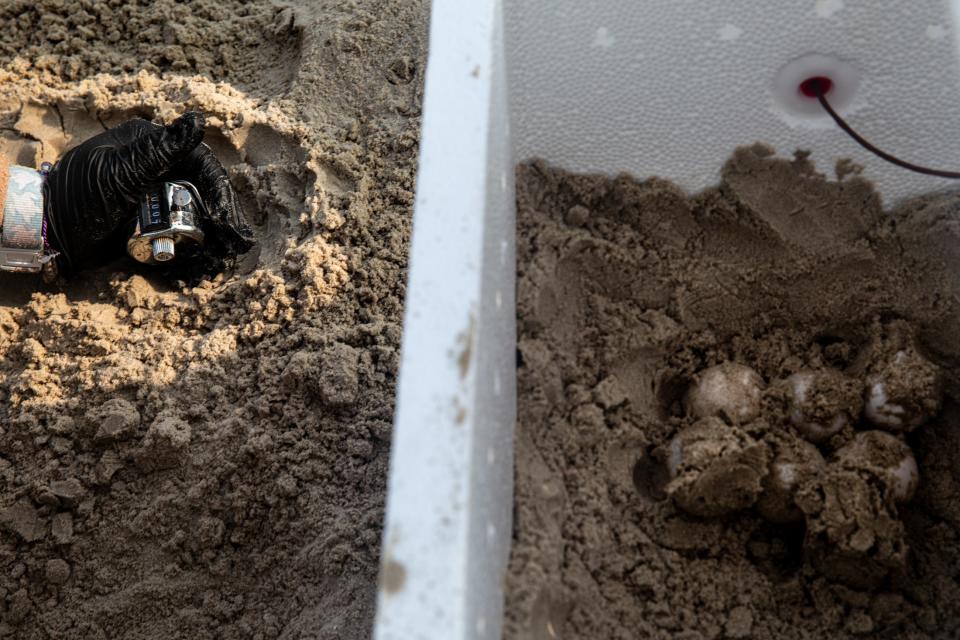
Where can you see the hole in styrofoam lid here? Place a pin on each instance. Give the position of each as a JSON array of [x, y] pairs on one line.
[[794, 88], [813, 87]]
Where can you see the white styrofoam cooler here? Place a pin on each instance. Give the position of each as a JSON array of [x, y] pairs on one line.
[[653, 87]]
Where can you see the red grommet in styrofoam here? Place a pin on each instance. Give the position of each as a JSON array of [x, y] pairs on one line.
[[815, 85], [795, 86]]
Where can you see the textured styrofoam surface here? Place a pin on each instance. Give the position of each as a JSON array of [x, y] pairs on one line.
[[670, 87]]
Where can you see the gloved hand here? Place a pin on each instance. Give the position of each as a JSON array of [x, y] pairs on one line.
[[91, 195]]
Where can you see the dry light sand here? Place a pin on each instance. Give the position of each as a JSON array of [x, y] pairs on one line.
[[627, 291], [210, 461]]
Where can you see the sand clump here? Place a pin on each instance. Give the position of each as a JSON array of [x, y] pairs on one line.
[[716, 469], [207, 458], [820, 518]]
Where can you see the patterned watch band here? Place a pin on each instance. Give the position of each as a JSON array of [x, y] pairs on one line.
[[22, 236]]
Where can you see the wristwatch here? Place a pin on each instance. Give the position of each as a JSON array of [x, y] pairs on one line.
[[23, 227]]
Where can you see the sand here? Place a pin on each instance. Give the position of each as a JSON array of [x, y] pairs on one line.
[[628, 292], [208, 460]]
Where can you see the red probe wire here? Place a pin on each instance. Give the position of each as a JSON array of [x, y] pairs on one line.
[[822, 86]]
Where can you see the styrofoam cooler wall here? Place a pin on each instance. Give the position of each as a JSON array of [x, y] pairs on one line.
[[664, 87], [447, 534], [670, 87]]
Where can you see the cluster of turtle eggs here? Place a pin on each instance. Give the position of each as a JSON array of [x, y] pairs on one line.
[[737, 454]]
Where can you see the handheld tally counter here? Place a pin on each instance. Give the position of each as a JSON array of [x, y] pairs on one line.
[[167, 224]]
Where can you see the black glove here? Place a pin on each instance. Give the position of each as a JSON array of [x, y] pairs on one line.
[[91, 195]]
